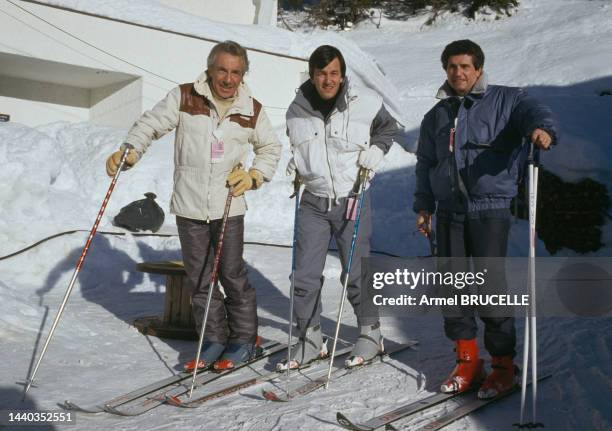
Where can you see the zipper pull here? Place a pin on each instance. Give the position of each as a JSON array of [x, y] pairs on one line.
[[451, 141]]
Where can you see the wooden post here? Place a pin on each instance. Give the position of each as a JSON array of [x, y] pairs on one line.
[[177, 320]]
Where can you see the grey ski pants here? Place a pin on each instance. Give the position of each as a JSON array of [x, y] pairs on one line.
[[317, 224], [233, 319]]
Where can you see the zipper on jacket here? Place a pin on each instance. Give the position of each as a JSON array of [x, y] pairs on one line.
[[452, 167], [325, 122], [210, 173]]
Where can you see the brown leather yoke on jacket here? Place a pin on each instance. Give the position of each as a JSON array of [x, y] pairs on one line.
[[195, 104]]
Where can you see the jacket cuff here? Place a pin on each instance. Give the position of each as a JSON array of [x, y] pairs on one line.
[[133, 148]]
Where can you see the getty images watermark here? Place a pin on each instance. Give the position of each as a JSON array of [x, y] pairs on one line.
[[450, 281], [493, 287]]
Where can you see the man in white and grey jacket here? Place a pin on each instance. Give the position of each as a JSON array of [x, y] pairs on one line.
[[217, 123], [334, 129]]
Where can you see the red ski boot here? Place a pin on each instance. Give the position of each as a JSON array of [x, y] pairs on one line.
[[209, 354], [237, 354], [468, 370], [503, 378]]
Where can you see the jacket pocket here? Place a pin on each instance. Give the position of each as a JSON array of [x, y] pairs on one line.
[[189, 190], [356, 137], [310, 158]]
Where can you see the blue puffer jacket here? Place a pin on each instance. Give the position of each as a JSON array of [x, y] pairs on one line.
[[489, 152]]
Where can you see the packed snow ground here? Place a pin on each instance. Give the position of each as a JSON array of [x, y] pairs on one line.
[[53, 179]]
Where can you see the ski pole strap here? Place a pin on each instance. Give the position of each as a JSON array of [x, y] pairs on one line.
[[362, 177], [234, 169], [533, 157], [297, 183], [237, 167], [433, 246]]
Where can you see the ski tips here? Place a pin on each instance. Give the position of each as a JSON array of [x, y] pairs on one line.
[[173, 400], [271, 396], [343, 420], [346, 423]]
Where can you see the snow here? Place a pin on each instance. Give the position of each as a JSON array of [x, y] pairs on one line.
[[53, 180]]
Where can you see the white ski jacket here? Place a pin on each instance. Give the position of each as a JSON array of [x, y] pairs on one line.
[[326, 150], [200, 188]]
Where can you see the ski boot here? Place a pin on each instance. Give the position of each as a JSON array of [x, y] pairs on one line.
[[369, 345], [309, 348], [469, 368], [210, 352], [505, 376], [237, 354]]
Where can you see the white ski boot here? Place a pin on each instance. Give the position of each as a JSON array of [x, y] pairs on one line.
[[310, 348], [369, 345]]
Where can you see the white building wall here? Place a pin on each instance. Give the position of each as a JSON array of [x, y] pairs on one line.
[[37, 113], [174, 58], [233, 11], [115, 104]]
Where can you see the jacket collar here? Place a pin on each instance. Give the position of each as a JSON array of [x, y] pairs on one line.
[[479, 88], [306, 95], [243, 103]]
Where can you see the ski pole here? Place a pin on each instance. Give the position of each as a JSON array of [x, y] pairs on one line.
[[533, 327], [79, 264], [213, 281], [296, 195], [530, 342], [363, 179]]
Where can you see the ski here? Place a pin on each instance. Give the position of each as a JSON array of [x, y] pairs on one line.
[[319, 382], [403, 411], [155, 399], [207, 394], [160, 387], [463, 410]]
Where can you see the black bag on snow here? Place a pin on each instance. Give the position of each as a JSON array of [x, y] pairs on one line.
[[143, 214]]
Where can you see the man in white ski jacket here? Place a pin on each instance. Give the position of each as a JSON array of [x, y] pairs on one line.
[[217, 123], [334, 129]]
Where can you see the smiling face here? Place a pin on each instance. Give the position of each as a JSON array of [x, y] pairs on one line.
[[225, 75], [461, 73], [327, 81]]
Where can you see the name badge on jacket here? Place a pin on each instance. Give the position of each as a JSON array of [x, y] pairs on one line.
[[217, 149]]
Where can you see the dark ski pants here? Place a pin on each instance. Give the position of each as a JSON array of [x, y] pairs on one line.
[[459, 236], [317, 224], [233, 319]]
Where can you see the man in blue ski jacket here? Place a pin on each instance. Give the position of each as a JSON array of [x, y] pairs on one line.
[[472, 146]]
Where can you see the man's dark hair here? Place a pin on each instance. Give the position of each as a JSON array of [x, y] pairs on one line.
[[324, 55], [461, 47]]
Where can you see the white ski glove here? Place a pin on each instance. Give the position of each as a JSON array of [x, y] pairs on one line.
[[371, 158], [290, 170]]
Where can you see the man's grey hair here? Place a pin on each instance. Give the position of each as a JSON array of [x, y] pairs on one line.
[[230, 47]]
